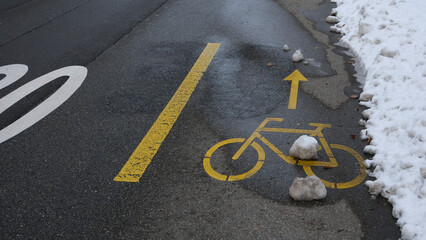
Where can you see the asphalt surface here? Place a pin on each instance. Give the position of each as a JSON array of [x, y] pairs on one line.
[[57, 176]]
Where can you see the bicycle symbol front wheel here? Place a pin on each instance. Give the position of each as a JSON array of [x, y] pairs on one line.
[[219, 176], [359, 175]]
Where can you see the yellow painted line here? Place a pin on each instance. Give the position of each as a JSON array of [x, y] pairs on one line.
[[343, 185], [295, 78], [222, 177], [288, 130], [148, 147], [362, 173]]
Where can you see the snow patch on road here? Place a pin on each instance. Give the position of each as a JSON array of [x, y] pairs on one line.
[[305, 147], [286, 47], [297, 56], [307, 189]]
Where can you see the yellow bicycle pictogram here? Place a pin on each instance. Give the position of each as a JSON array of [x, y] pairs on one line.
[[308, 165]]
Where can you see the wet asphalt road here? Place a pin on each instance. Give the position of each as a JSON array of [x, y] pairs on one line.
[[57, 176]]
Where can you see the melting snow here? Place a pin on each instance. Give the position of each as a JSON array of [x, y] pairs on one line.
[[305, 147], [297, 56], [285, 47], [307, 189], [388, 38]]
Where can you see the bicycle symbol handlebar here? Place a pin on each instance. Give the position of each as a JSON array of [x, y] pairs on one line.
[[306, 164]]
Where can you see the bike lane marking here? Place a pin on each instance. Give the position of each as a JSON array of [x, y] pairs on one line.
[[148, 147], [295, 78], [306, 164]]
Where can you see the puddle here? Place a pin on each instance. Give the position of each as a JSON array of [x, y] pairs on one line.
[[329, 90]]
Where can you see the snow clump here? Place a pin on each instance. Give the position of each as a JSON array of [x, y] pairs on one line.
[[307, 189], [285, 47], [297, 56], [305, 147], [332, 19], [374, 187], [335, 29]]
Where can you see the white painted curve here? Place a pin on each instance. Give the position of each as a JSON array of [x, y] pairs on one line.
[[13, 72], [76, 75]]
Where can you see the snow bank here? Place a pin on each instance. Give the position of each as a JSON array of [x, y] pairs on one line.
[[388, 38], [307, 189], [305, 147]]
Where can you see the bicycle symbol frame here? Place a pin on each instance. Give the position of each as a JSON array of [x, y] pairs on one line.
[[306, 164]]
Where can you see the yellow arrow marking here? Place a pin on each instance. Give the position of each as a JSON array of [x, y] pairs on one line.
[[148, 147], [295, 78]]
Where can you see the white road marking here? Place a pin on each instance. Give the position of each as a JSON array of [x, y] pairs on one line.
[[76, 75], [13, 73]]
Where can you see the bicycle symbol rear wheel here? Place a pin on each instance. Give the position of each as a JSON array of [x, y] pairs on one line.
[[219, 176], [342, 185]]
